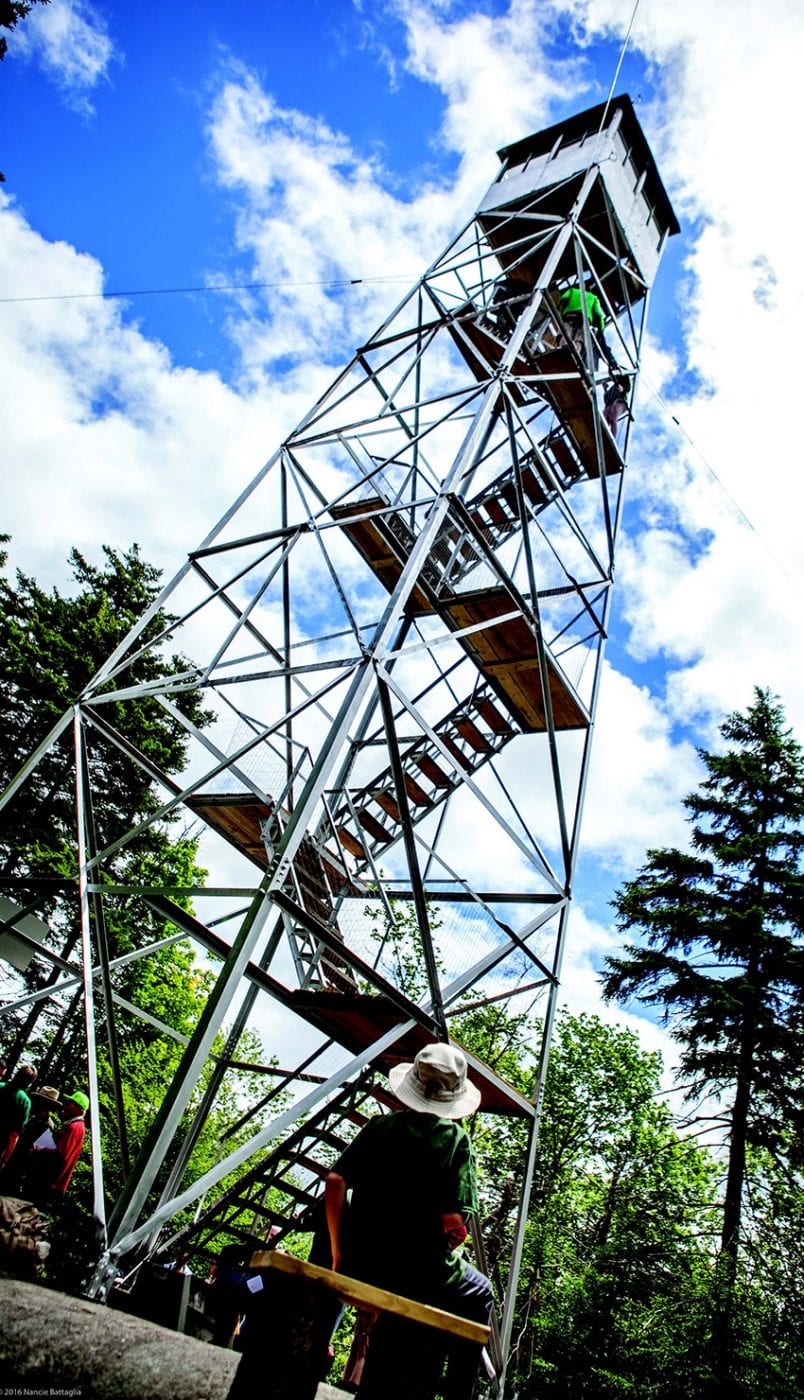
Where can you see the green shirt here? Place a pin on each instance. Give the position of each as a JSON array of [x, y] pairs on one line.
[[405, 1171], [15, 1108], [570, 301]]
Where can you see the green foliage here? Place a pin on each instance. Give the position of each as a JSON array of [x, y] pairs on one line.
[[617, 1235], [723, 959], [51, 646], [723, 955], [398, 941], [723, 924], [11, 12]]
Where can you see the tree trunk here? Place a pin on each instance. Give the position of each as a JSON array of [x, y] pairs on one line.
[[733, 1200]]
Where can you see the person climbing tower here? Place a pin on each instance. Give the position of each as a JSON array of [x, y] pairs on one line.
[[571, 307]]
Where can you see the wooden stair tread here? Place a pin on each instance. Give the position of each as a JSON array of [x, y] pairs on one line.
[[571, 402], [432, 771], [373, 827], [416, 793], [388, 802], [494, 718], [469, 731], [507, 654]]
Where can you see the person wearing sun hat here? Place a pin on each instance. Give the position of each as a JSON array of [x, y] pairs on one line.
[[412, 1182], [54, 1165]]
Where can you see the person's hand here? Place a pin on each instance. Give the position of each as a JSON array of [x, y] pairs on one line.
[[455, 1230]]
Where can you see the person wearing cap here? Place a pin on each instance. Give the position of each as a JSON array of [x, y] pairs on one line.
[[54, 1166], [412, 1181], [15, 1109]]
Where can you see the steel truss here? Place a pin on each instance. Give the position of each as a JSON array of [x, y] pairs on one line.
[[402, 621]]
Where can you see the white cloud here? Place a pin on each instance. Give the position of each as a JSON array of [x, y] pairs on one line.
[[704, 592], [493, 71], [109, 440], [312, 211], [639, 774], [70, 41]]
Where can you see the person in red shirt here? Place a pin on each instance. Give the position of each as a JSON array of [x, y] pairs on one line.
[[54, 1165]]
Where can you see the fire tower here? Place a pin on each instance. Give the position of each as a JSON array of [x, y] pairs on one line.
[[399, 627]]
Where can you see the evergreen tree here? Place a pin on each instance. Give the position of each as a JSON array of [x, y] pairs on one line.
[[51, 646], [723, 955]]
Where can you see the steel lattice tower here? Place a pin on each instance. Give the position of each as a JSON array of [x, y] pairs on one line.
[[402, 622]]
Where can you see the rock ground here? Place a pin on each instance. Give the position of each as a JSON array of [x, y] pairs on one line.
[[54, 1347]]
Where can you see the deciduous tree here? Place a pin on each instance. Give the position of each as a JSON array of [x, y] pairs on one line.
[[51, 644]]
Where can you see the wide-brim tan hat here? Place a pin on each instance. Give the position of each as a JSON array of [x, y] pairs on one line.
[[47, 1093], [436, 1083]]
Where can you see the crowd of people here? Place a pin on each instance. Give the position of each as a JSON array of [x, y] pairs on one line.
[[41, 1136]]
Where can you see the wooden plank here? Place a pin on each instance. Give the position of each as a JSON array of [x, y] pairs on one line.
[[366, 1295], [507, 654], [289, 1188], [518, 249], [533, 488], [358, 1019], [372, 538], [473, 736], [416, 793], [571, 401], [373, 827], [388, 802], [431, 770], [301, 1159], [351, 843], [562, 455], [508, 492], [494, 718], [495, 510], [457, 753], [237, 817], [482, 349], [325, 1134]]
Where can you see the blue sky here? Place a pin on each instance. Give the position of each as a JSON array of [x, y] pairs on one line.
[[121, 168], [304, 144]]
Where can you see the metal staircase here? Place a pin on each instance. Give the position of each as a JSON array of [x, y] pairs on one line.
[[284, 1189], [405, 612]]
